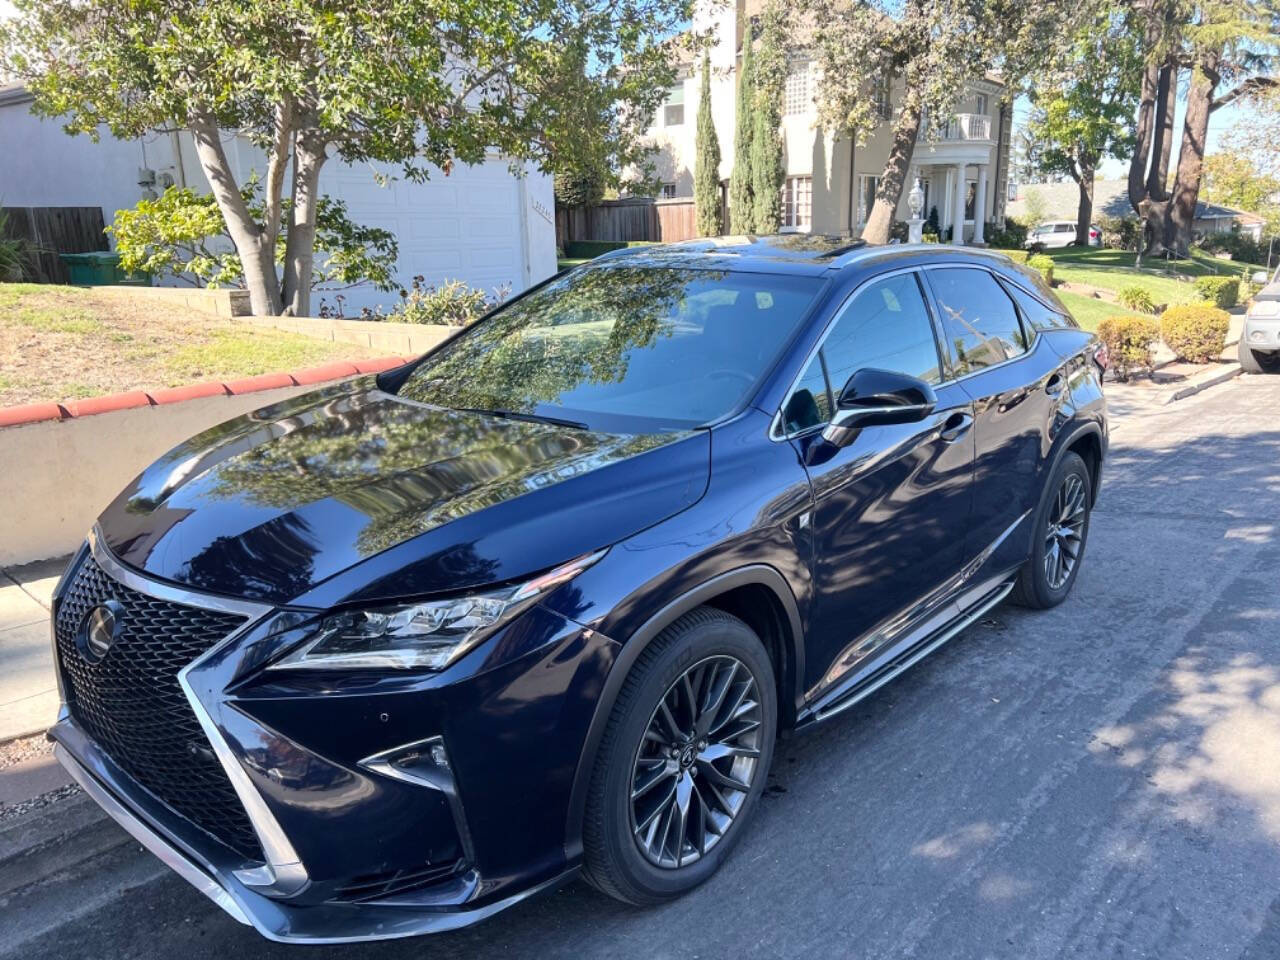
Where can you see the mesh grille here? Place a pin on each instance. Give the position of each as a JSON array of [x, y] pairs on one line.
[[375, 885], [131, 704]]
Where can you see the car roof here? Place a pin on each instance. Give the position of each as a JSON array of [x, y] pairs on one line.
[[794, 253]]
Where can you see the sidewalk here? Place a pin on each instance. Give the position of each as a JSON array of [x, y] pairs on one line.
[[28, 693]]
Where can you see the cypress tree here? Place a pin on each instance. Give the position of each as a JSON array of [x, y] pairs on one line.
[[741, 208], [706, 164], [769, 74]]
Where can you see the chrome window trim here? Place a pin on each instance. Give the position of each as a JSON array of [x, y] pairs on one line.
[[775, 427], [283, 874]]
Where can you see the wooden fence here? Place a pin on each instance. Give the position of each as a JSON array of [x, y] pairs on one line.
[[640, 218], [55, 230]]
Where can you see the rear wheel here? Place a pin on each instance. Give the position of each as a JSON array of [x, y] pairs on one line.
[[1258, 361], [683, 760], [1061, 528]]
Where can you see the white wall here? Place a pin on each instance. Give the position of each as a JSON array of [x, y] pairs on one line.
[[480, 224]]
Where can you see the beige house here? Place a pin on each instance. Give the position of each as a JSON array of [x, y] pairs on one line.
[[830, 183]]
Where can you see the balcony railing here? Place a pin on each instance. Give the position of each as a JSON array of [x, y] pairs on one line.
[[968, 126]]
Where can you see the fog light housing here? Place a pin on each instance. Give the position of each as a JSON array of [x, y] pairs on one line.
[[1257, 336]]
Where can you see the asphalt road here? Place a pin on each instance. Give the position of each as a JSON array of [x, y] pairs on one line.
[[1102, 780]]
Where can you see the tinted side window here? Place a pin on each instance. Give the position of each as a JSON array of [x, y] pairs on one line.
[[978, 318], [1036, 313], [810, 402], [886, 326]]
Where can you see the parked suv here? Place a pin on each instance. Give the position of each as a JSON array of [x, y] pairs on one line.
[[1060, 233], [387, 657], [1260, 339]]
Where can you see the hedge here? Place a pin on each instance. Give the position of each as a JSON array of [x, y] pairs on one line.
[[1044, 264], [589, 249], [1220, 291], [1017, 256], [1130, 341], [1195, 332]]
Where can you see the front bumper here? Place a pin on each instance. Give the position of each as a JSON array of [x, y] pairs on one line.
[[305, 756], [1261, 334]]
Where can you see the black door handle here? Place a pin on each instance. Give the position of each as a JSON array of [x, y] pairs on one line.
[[955, 427]]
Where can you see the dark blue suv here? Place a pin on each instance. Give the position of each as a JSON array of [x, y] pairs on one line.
[[385, 658]]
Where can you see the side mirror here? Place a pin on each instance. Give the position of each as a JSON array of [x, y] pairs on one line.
[[1260, 276], [876, 398]]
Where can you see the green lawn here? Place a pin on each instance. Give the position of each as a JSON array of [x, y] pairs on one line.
[[1088, 311], [1166, 282]]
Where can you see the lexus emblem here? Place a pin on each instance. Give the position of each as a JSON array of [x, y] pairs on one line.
[[100, 629]]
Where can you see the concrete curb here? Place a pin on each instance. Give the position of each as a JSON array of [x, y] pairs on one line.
[[1206, 380], [336, 370]]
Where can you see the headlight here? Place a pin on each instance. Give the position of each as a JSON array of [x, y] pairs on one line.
[[428, 635], [1265, 308]]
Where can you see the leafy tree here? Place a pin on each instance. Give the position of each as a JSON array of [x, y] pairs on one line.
[[934, 47], [414, 83], [769, 75], [741, 199], [580, 187], [706, 164], [1025, 149], [183, 234], [1231, 43], [1255, 136], [1234, 180], [1089, 114]]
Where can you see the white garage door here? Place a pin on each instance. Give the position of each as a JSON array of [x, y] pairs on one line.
[[480, 225]]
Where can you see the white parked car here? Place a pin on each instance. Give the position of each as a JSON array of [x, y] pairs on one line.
[[1060, 233], [1260, 339]]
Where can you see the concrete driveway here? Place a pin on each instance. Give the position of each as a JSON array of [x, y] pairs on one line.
[[1102, 780]]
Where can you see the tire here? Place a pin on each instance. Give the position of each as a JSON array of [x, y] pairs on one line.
[[1254, 361], [1042, 583], [714, 650]]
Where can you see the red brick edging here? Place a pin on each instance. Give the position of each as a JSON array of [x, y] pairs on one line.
[[36, 412]]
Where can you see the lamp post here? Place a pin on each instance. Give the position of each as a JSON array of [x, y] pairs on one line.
[[915, 201]]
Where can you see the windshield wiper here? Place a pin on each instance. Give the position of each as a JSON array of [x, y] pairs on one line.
[[528, 417]]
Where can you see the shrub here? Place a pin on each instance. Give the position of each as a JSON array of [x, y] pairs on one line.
[[1017, 256], [1233, 243], [1130, 342], [453, 303], [1220, 291], [1195, 332], [590, 249], [1043, 264], [1012, 234], [15, 253], [1136, 298], [1120, 233]]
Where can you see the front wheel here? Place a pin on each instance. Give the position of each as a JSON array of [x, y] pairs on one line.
[[683, 760], [1060, 530], [1257, 361]]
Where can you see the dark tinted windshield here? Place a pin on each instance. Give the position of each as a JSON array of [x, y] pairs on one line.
[[625, 348]]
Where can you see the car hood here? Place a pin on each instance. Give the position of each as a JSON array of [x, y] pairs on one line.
[[354, 493]]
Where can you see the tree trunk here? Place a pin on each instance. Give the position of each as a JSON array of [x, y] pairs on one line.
[[1147, 150], [299, 253], [277, 160], [1195, 127], [905, 131], [257, 257], [1166, 102], [1084, 211]]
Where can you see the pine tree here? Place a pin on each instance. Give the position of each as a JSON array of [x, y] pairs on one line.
[[769, 75], [706, 164], [741, 209]]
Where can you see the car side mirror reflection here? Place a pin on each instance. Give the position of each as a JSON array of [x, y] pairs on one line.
[[875, 398], [1260, 276]]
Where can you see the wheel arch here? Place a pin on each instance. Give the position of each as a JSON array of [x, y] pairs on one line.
[[1086, 440], [759, 595]]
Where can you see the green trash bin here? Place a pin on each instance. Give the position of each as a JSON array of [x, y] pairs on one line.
[[101, 268]]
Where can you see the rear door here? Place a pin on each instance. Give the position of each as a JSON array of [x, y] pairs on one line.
[[1016, 382], [891, 508]]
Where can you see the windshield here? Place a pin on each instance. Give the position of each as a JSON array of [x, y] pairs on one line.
[[624, 348]]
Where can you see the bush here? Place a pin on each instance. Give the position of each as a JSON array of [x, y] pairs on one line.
[[453, 303], [1195, 332], [1235, 244], [1017, 256], [589, 249], [1120, 233], [1220, 291], [1044, 265], [1012, 234], [1130, 342], [15, 253], [1136, 298]]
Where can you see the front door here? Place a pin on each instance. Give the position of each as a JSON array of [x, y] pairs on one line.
[[891, 507]]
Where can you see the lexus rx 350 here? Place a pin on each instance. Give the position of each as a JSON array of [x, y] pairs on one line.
[[387, 657]]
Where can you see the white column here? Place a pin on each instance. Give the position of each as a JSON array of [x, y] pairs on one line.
[[980, 204], [957, 216]]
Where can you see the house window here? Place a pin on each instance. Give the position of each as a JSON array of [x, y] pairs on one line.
[[883, 97], [1011, 191], [668, 191], [867, 186], [970, 198], [673, 109], [980, 103], [796, 98], [797, 203]]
